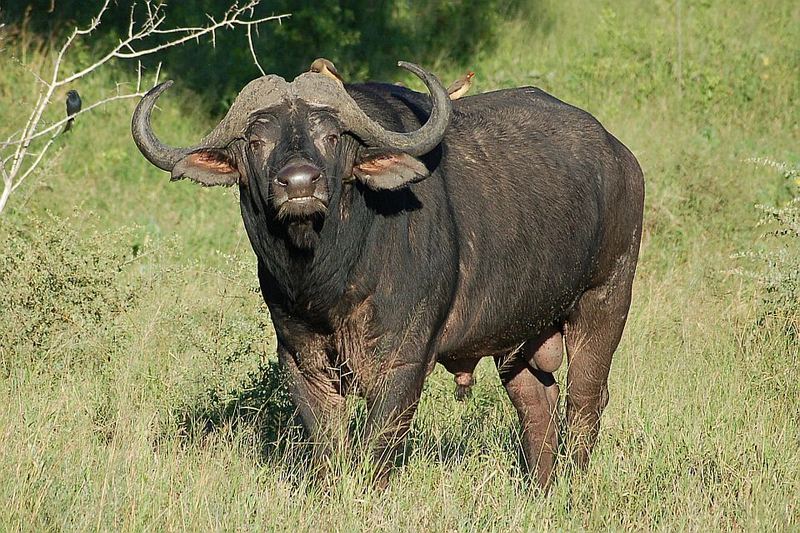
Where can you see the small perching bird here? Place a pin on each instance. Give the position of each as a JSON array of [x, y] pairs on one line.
[[326, 67], [73, 107], [459, 88]]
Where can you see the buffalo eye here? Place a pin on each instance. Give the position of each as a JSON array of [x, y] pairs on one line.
[[256, 144], [332, 140]]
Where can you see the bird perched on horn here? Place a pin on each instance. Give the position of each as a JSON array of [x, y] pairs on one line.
[[326, 67]]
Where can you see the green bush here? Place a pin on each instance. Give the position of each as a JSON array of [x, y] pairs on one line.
[[235, 378], [60, 288], [777, 261], [78, 300]]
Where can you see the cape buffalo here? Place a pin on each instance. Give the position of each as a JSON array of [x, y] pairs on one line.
[[395, 230]]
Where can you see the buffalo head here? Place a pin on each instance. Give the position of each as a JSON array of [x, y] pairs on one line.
[[294, 145]]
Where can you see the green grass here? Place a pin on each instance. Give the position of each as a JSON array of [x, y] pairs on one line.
[[137, 361]]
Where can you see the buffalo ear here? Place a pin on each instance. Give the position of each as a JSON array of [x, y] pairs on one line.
[[388, 170], [208, 167]]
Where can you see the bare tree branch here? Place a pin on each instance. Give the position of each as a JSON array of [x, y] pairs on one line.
[[253, 50], [19, 162]]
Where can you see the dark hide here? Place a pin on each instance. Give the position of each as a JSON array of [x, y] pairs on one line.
[[524, 221]]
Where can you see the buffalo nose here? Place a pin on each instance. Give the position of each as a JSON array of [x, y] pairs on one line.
[[299, 179]]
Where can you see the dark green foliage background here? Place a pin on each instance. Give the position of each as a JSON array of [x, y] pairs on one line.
[[364, 38]]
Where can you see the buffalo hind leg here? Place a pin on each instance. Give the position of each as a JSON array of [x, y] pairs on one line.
[[592, 332], [534, 394]]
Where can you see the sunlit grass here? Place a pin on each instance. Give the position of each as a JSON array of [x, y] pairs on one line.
[[166, 411]]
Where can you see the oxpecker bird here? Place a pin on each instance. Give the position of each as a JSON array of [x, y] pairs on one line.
[[459, 88], [326, 67]]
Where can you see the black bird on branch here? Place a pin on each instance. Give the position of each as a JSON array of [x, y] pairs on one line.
[[73, 106]]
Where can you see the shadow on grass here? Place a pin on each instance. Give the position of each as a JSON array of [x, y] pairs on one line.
[[262, 412], [262, 407], [476, 431]]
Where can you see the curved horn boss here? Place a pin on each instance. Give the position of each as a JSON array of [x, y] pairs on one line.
[[208, 161], [266, 90], [163, 156], [314, 88]]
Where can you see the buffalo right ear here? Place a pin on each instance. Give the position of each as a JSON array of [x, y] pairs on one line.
[[388, 170], [208, 167]]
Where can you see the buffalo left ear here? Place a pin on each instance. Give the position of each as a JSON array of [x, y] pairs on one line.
[[386, 170], [207, 167]]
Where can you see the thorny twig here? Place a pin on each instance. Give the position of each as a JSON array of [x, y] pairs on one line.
[[17, 161]]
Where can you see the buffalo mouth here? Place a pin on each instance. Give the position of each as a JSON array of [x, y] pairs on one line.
[[305, 207]]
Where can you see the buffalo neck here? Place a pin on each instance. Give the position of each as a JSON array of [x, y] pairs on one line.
[[310, 284]]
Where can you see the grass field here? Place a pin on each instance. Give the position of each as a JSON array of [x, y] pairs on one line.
[[137, 362]]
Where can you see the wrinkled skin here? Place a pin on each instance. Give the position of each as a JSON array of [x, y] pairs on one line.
[[518, 233]]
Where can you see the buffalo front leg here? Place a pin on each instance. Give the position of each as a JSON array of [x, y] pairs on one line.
[[534, 394], [391, 404], [321, 407]]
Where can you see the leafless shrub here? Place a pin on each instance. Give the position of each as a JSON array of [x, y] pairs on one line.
[[25, 149]]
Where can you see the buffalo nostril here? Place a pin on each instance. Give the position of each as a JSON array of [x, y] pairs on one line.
[[299, 179]]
